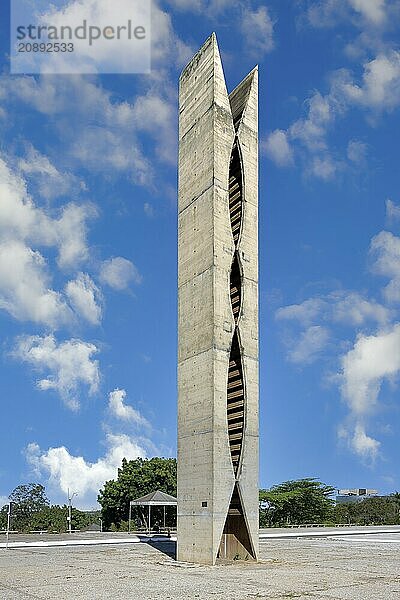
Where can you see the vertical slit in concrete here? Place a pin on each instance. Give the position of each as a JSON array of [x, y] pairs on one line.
[[235, 402], [235, 287], [235, 192]]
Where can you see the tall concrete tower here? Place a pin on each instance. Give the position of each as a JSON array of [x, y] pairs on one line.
[[218, 313]]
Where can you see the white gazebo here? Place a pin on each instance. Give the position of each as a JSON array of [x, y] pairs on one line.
[[157, 498]]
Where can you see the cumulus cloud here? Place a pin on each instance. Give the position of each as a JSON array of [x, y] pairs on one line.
[[371, 10], [364, 445], [85, 298], [372, 360], [120, 410], [377, 90], [321, 113], [99, 132], [356, 151], [392, 211], [310, 132], [67, 471], [277, 147], [380, 86], [118, 272], [22, 219], [51, 183], [25, 288], [385, 253], [323, 167], [340, 306], [307, 348], [306, 312], [70, 365], [258, 30], [161, 126], [328, 13]]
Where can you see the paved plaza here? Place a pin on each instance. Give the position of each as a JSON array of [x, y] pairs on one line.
[[337, 567]]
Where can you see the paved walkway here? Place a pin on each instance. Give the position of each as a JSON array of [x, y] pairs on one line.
[[363, 567], [94, 539]]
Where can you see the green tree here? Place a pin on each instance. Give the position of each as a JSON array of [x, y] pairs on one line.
[[295, 502], [382, 510], [136, 478], [27, 500]]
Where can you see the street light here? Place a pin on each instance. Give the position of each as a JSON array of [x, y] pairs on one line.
[[8, 522], [69, 518]]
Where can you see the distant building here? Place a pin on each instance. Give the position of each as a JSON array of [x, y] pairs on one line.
[[355, 495]]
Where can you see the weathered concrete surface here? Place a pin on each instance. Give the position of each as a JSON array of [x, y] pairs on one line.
[[206, 324], [324, 568]]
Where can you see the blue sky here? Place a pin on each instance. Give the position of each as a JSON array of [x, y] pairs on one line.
[[88, 249]]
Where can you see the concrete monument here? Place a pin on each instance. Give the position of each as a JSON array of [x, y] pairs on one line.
[[218, 313]]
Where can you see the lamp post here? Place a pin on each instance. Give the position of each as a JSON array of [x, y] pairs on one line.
[[8, 522], [69, 518]]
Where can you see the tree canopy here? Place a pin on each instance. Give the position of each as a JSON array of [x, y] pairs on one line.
[[135, 478], [31, 511], [296, 502], [370, 511]]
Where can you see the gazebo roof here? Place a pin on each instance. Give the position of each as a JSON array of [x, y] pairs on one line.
[[156, 498]]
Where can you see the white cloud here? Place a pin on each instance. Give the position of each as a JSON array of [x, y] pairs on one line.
[[340, 306], [97, 130], [21, 219], [278, 148], [258, 30], [323, 167], [104, 55], [311, 131], [372, 359], [148, 210], [210, 6], [66, 471], [118, 408], [307, 348], [353, 309], [392, 211], [162, 125], [101, 133], [356, 151], [70, 365], [85, 298], [325, 13], [118, 272], [306, 312], [328, 13], [378, 91], [380, 87], [385, 252], [364, 445], [103, 150], [25, 287], [71, 232], [371, 10], [50, 181]]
